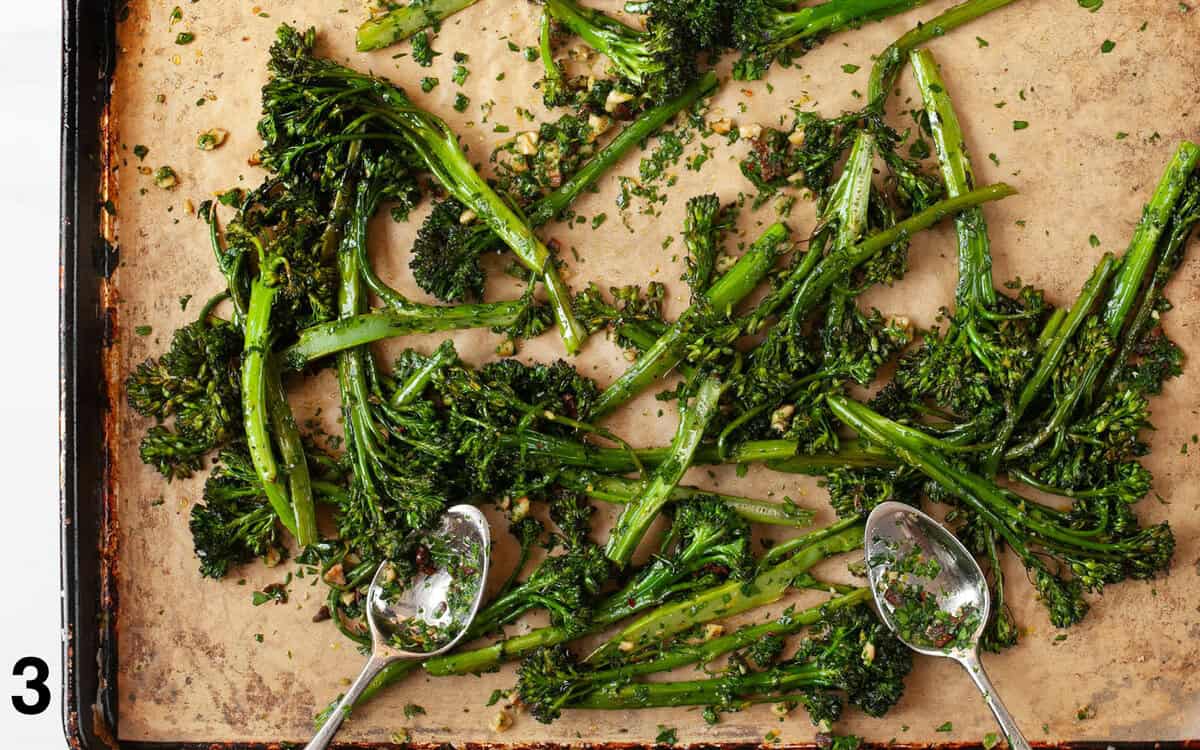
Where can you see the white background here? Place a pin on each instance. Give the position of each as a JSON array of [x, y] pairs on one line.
[[29, 134]]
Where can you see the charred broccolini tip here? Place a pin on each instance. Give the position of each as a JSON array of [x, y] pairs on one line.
[[657, 63], [765, 30]]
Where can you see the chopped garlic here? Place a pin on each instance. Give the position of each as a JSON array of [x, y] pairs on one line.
[[750, 132], [501, 721], [615, 99], [781, 418], [722, 126], [527, 143]]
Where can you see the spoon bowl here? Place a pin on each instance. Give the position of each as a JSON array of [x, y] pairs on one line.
[[437, 597], [426, 615], [896, 531], [932, 594]]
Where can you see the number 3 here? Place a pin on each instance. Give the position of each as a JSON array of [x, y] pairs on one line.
[[37, 684]]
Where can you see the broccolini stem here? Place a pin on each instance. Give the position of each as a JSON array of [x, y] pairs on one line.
[[416, 383], [603, 33], [254, 400], [438, 147], [230, 269], [975, 288], [722, 296], [833, 267], [835, 15], [621, 491], [789, 547], [741, 638], [1145, 237], [291, 450], [779, 455], [1052, 355], [1182, 224], [325, 339], [729, 598], [400, 23], [636, 132], [636, 518], [891, 60], [706, 692]]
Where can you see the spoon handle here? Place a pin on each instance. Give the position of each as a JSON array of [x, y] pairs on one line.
[[974, 667], [325, 735]]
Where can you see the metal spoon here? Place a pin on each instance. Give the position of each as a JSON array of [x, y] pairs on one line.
[[464, 534], [895, 530]]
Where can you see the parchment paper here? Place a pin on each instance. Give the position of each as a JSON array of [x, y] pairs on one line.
[[190, 665]]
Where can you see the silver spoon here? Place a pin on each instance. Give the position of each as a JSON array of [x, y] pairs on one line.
[[426, 601], [897, 532]]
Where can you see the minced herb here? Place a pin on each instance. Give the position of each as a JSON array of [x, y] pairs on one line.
[[422, 50]]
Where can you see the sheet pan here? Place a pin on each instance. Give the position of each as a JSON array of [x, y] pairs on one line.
[[178, 659]]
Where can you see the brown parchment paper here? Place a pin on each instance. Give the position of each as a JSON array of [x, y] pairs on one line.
[[191, 667]]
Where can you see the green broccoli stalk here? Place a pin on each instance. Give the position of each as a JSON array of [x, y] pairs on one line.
[[779, 455], [788, 372], [550, 679], [556, 91], [399, 24], [394, 459], [850, 652], [446, 253], [636, 517], [889, 62], [622, 491], [1034, 532], [731, 598], [766, 29], [734, 285], [977, 369], [325, 339], [278, 234]]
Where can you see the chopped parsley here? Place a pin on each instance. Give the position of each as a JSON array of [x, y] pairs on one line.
[[422, 50]]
